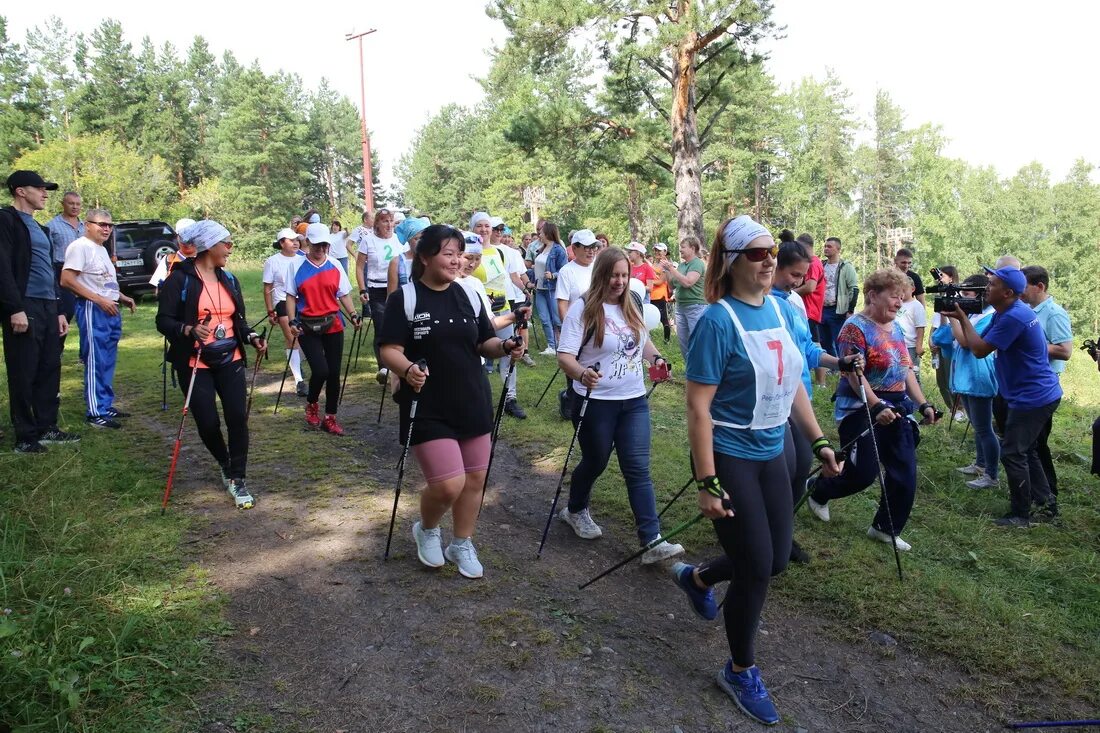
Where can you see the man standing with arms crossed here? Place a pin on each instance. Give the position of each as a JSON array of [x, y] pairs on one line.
[[90, 275], [28, 315]]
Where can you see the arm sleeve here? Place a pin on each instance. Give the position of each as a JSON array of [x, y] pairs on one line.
[[269, 271], [291, 280], [918, 288], [851, 337], [1003, 332], [75, 259], [345, 284], [484, 327], [1059, 328], [395, 329], [920, 316], [572, 330], [712, 344], [565, 286], [168, 306]]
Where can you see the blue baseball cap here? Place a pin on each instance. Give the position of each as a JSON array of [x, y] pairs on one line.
[[1013, 278]]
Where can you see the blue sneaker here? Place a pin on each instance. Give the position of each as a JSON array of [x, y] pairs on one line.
[[748, 691], [702, 601]]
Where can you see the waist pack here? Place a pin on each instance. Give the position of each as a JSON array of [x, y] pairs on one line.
[[317, 325], [218, 353]]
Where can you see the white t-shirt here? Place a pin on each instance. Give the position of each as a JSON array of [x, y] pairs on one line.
[[379, 252], [278, 269], [472, 283], [540, 265], [573, 282], [513, 264], [339, 246], [912, 316], [93, 263], [619, 356]]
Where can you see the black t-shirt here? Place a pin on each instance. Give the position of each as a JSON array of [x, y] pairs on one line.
[[456, 401], [918, 286]]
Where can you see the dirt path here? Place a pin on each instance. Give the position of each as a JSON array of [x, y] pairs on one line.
[[328, 637]]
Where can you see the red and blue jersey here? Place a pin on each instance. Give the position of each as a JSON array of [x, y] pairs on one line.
[[318, 289]]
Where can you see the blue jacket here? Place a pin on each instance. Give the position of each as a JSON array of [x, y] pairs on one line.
[[556, 260], [970, 375]]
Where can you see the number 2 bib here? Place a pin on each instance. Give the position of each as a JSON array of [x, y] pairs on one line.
[[778, 366]]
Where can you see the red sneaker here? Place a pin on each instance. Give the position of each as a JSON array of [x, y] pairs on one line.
[[313, 414], [331, 426]]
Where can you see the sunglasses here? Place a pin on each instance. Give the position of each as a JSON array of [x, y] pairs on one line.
[[757, 254], [102, 224]]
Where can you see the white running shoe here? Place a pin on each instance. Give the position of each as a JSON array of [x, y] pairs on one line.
[[821, 511], [883, 537], [429, 546], [463, 554], [972, 470], [582, 523], [661, 551], [548, 352], [960, 416], [983, 482], [239, 492]]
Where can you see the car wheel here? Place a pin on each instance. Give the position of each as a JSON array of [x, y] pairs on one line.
[[156, 251]]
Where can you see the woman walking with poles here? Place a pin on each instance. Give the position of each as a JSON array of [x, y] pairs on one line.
[[736, 436], [434, 320], [313, 299], [279, 269], [891, 388], [605, 326], [201, 307]]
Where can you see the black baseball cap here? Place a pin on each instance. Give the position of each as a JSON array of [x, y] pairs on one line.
[[29, 178]]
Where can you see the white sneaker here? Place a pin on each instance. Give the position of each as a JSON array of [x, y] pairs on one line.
[[582, 523], [548, 352], [972, 470], [983, 482], [429, 546], [241, 498], [661, 551], [463, 554], [883, 537], [960, 416], [821, 511]]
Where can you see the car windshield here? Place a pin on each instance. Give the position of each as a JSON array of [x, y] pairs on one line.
[[137, 235]]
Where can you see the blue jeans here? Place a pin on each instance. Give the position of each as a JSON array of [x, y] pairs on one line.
[[986, 445], [686, 318], [624, 426], [831, 323], [546, 306]]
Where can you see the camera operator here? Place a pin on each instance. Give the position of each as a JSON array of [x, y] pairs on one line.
[[1094, 353], [1056, 327], [1026, 383]]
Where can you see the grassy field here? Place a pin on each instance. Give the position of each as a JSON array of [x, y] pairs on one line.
[[105, 628]]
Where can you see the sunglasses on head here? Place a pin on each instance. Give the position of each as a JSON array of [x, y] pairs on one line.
[[757, 254]]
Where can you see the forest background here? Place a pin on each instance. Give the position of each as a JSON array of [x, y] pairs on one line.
[[577, 101]]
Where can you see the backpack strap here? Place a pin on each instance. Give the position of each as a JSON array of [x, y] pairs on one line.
[[408, 294]]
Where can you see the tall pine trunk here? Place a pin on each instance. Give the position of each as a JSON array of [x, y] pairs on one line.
[[685, 141]]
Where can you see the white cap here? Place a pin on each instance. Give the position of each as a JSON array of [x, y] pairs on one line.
[[398, 216], [318, 234], [635, 247], [286, 233], [183, 224], [496, 221], [661, 246], [583, 237]]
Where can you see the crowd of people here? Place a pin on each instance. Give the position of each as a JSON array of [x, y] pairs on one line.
[[761, 321]]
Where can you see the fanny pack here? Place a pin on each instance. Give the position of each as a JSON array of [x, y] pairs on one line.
[[317, 325], [219, 353]]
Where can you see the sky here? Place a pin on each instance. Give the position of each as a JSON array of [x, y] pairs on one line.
[[1008, 81]]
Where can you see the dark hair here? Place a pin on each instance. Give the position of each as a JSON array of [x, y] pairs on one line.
[[1037, 275], [951, 271], [786, 236], [974, 281], [805, 239], [336, 223], [550, 229], [431, 242], [310, 213], [904, 252], [833, 239], [791, 253], [603, 237]]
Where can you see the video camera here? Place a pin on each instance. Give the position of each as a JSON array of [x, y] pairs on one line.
[[1092, 348], [948, 295]]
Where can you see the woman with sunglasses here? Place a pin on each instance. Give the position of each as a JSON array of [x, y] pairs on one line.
[[201, 304], [605, 326], [314, 295], [737, 436], [687, 284]]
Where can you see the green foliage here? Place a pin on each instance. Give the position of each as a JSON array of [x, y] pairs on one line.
[[20, 114]]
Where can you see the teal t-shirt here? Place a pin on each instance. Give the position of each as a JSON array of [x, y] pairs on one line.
[[717, 356], [694, 294]]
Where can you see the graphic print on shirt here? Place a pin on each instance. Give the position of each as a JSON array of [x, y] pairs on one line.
[[627, 358]]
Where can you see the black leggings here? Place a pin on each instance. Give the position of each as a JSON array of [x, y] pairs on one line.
[[662, 308], [228, 383], [797, 453], [324, 354], [757, 541]]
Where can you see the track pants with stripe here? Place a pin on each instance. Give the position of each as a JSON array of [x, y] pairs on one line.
[[99, 336]]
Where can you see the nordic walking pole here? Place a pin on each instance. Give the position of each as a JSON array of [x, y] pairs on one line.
[[183, 421], [255, 373], [381, 404], [878, 466], [548, 385], [690, 481], [1054, 724], [370, 322], [422, 366], [650, 545], [496, 431], [565, 466], [286, 370], [355, 337]]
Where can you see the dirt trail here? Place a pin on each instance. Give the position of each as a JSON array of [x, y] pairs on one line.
[[328, 637]]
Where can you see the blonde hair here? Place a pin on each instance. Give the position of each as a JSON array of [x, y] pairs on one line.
[[599, 292], [888, 278]]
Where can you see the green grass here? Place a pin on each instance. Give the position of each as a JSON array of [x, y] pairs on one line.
[[1008, 607]]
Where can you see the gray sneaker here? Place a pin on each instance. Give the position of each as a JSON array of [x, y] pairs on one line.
[[661, 551], [429, 546], [528, 361], [239, 492], [582, 523], [463, 554]]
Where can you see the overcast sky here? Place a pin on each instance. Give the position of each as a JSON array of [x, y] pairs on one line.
[[1009, 81]]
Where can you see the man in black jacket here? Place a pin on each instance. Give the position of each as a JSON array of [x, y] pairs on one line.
[[28, 315]]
